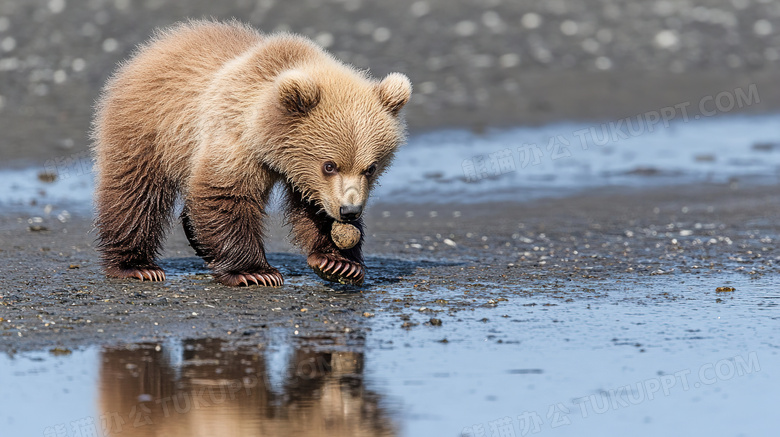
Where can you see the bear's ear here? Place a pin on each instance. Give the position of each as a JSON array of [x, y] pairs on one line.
[[394, 91], [298, 94]]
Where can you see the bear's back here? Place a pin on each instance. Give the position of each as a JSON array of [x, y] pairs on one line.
[[150, 105]]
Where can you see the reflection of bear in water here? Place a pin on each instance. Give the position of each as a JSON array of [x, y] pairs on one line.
[[218, 113], [226, 392]]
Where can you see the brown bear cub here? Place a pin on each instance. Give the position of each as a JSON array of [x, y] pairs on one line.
[[217, 114]]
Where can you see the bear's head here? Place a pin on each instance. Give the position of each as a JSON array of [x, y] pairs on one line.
[[340, 132]]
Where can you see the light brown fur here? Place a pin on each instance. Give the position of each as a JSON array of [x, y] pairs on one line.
[[217, 113]]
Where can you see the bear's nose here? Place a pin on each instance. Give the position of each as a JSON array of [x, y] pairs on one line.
[[350, 212]]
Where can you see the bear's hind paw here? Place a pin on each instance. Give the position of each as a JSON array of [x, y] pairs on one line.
[[268, 279], [152, 274], [337, 269]]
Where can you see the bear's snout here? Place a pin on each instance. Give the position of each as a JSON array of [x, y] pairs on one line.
[[350, 213]]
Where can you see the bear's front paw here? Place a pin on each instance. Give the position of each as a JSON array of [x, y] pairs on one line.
[[150, 273], [268, 278], [336, 268]]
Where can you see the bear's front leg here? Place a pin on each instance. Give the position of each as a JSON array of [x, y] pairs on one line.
[[224, 224], [311, 229]]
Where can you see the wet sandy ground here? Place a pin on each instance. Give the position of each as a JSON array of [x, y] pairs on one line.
[[664, 352], [649, 309], [54, 294]]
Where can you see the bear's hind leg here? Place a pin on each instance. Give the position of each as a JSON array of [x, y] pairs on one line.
[[311, 230], [224, 224], [133, 211]]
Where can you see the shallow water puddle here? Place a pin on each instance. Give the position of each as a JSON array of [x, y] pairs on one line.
[[644, 358], [506, 164]]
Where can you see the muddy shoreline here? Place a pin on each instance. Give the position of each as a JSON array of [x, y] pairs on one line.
[[54, 294]]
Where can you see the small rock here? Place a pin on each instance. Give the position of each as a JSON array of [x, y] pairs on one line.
[[59, 351], [345, 235], [766, 147], [435, 321], [367, 314], [704, 158], [47, 177]]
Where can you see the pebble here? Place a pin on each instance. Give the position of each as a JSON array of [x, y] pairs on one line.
[[57, 6], [381, 34], [344, 235], [110, 45], [8, 44], [324, 39], [762, 27], [666, 39], [420, 9], [531, 20]]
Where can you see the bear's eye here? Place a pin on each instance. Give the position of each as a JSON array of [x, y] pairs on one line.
[[329, 167], [371, 170]]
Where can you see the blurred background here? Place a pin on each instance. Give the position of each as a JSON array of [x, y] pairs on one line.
[[474, 63]]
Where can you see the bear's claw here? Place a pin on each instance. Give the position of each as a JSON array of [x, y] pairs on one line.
[[270, 279], [337, 269], [152, 274]]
